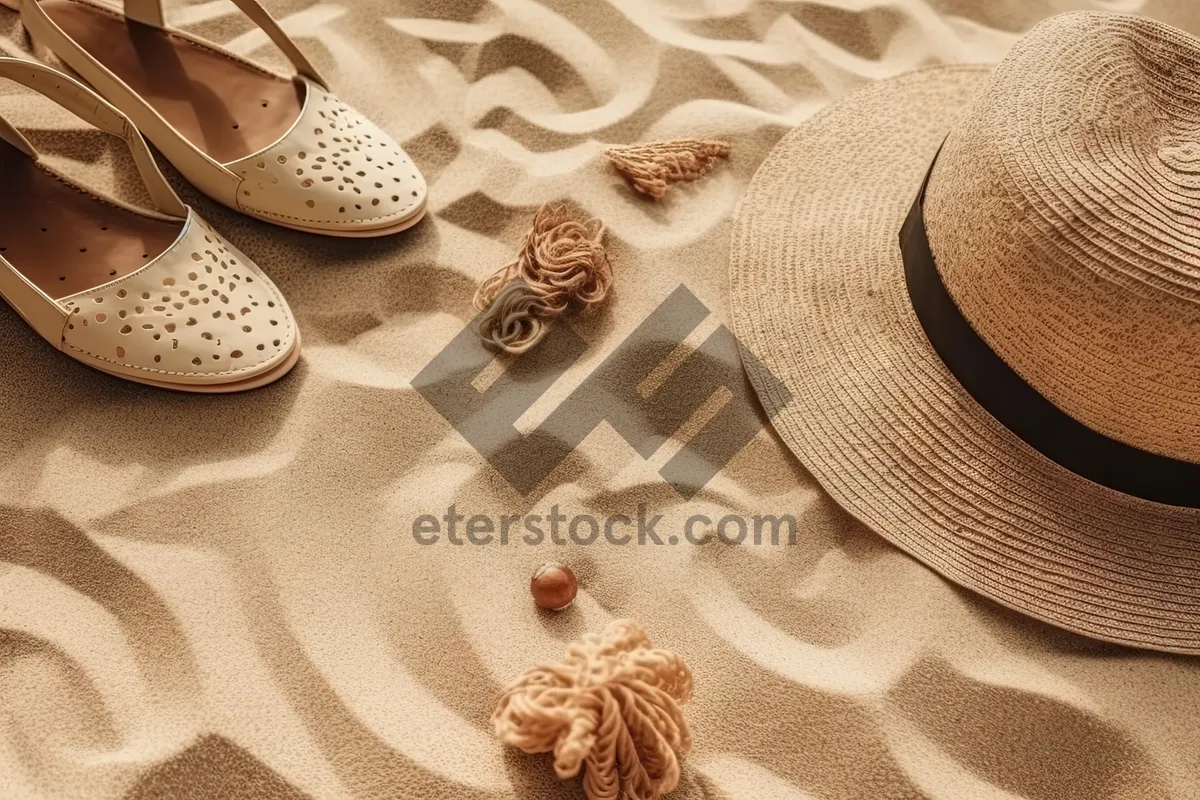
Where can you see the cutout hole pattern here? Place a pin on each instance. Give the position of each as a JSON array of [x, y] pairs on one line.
[[247, 315], [350, 158]]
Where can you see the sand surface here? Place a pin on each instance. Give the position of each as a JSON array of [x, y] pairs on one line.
[[222, 597]]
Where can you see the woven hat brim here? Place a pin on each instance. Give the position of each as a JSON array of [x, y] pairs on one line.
[[819, 297]]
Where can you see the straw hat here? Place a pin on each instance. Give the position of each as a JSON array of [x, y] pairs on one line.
[[1010, 391]]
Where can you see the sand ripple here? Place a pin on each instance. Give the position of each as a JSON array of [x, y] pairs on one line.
[[221, 597]]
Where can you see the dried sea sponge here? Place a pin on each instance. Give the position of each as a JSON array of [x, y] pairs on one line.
[[562, 265], [611, 708]]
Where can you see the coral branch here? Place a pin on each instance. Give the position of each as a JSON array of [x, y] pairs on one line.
[[653, 167], [611, 708]]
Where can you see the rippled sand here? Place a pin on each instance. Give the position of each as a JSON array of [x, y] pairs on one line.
[[221, 597]]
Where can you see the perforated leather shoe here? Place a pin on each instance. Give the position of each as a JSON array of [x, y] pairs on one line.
[[156, 297], [282, 149]]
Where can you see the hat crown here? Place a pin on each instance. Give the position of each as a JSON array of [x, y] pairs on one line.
[[1064, 216]]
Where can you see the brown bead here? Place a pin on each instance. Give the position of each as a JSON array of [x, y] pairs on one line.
[[553, 586]]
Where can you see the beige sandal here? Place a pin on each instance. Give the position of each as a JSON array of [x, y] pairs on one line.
[[281, 149], [154, 297]]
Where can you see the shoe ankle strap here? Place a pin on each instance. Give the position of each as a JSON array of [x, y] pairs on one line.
[[93, 109], [150, 12]]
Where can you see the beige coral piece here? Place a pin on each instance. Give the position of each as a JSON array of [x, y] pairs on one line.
[[651, 168], [611, 709]]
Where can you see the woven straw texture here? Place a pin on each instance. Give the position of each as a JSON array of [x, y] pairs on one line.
[[819, 295], [1079, 263]]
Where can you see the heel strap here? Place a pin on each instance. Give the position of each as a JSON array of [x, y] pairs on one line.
[[150, 12], [93, 109]]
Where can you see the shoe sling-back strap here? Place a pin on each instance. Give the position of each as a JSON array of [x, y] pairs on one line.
[[38, 308], [150, 12], [209, 174], [96, 111]]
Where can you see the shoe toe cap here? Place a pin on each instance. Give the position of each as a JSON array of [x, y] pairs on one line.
[[199, 314], [335, 171]]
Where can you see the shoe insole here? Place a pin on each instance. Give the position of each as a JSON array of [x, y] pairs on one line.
[[224, 107], [65, 240]]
